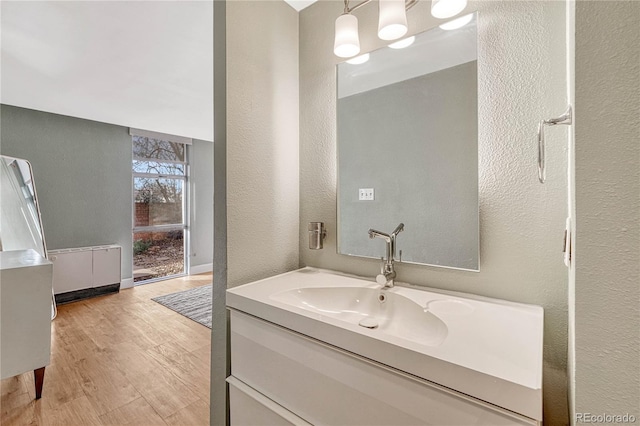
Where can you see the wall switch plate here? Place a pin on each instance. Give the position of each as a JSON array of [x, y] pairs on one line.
[[365, 194]]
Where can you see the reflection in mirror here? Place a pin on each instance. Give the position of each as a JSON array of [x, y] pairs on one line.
[[20, 227], [408, 149]]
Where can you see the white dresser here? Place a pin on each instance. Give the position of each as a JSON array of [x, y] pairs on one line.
[[25, 314]]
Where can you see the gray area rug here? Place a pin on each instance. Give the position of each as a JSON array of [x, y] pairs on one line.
[[194, 303]]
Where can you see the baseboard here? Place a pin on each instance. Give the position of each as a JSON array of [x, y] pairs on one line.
[[126, 283], [86, 293], [201, 269]]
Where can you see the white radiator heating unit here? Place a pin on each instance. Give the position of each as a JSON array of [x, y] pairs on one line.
[[85, 268]]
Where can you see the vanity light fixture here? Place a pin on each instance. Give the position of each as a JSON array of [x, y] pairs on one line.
[[392, 24], [405, 42], [457, 23], [392, 19], [347, 42], [359, 59], [444, 9]]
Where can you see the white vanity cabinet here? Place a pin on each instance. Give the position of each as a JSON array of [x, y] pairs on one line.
[[302, 353], [282, 377], [250, 407]]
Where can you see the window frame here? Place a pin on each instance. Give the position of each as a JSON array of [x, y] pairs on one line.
[[186, 192]]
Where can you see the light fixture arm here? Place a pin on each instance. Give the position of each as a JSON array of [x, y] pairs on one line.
[[348, 9], [408, 4]]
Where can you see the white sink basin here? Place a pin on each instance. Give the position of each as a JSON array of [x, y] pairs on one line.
[[488, 348], [385, 311]]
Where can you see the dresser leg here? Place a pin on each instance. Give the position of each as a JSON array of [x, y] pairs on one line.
[[38, 374]]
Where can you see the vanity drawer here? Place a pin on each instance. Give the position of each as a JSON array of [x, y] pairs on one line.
[[249, 408], [326, 385]]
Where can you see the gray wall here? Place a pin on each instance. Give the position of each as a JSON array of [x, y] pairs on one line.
[[521, 79], [201, 187], [220, 359], [607, 208], [416, 143], [82, 171]]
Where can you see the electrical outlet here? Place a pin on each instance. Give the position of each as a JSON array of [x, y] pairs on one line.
[[365, 194]]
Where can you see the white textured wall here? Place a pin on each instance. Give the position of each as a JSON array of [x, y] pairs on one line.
[[262, 140], [571, 94], [521, 70], [607, 175]]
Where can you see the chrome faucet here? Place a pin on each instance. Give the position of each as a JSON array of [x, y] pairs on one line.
[[387, 270]]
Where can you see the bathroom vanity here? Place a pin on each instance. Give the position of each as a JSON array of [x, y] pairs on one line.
[[319, 347]]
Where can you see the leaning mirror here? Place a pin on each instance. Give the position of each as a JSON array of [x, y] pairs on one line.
[[20, 225], [408, 149]]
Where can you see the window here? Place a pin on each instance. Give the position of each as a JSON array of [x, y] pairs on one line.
[[160, 176]]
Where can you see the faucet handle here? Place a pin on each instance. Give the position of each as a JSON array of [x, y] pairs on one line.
[[398, 230], [382, 265], [400, 260]]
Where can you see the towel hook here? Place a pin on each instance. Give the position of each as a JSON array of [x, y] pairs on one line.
[[565, 118]]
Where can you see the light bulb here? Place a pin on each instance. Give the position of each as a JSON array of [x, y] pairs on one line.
[[347, 43], [359, 59], [405, 42], [392, 19], [457, 23], [444, 9]]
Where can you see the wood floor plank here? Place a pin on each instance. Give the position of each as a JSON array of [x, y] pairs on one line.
[[62, 383], [77, 412], [136, 413], [189, 336], [164, 392], [192, 370], [143, 333], [64, 329], [106, 332], [11, 404], [119, 359], [196, 414], [29, 383], [204, 353], [104, 386], [161, 387], [12, 386], [20, 411]]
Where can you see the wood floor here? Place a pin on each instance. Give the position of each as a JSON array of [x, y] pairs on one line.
[[121, 359]]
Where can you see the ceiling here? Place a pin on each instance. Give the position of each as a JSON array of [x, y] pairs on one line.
[[300, 4], [142, 64]]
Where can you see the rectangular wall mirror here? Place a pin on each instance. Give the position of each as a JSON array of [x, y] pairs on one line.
[[408, 149]]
